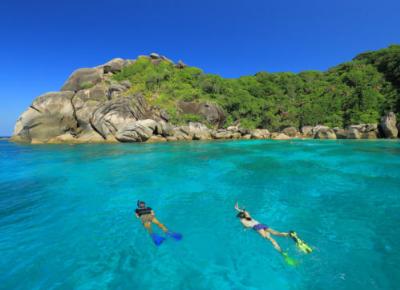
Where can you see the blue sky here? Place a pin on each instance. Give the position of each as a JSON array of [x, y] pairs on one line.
[[42, 42]]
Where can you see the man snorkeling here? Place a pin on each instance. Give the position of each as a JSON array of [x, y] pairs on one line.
[[266, 232], [147, 217]]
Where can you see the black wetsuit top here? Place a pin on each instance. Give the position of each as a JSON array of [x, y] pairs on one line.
[[143, 211]]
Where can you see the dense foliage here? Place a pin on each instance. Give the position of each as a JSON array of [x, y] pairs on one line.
[[359, 91]]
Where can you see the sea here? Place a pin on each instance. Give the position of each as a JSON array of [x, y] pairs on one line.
[[67, 215]]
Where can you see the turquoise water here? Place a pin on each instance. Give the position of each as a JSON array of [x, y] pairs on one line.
[[66, 215]]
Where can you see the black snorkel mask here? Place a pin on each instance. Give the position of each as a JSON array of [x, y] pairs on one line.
[[241, 215], [141, 204]]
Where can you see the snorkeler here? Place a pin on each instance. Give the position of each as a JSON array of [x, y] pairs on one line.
[[265, 231], [262, 229], [147, 217]]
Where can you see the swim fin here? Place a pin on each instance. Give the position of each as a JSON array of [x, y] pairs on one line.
[[176, 236], [290, 261], [301, 245], [157, 239]]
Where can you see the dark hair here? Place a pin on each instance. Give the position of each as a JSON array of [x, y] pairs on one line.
[[241, 215], [140, 203]]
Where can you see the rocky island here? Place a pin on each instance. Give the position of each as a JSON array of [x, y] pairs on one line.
[[153, 99]]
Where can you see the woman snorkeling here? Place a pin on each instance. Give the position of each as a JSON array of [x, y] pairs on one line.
[[264, 231]]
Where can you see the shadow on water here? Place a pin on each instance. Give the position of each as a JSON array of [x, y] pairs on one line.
[[19, 198]]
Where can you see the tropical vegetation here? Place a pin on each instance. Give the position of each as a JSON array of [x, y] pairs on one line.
[[358, 91]]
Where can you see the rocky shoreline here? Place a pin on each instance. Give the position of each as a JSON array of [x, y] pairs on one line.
[[151, 131], [92, 107]]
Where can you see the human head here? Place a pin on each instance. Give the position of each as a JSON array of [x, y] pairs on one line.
[[241, 215], [244, 215], [141, 204]]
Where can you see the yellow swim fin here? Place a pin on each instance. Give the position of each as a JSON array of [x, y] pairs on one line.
[[301, 245]]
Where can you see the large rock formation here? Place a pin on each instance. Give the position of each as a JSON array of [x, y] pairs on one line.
[[49, 116], [112, 115], [388, 125], [93, 107]]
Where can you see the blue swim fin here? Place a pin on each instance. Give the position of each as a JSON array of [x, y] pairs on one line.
[[157, 239], [176, 236]]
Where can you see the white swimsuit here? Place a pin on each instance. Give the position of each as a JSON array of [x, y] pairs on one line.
[[251, 223]]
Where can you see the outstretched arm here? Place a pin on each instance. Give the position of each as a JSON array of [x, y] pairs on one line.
[[238, 208]]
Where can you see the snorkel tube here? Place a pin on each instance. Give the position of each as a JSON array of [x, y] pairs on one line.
[[140, 204]]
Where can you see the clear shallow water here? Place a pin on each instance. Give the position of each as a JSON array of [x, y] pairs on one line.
[[66, 215]]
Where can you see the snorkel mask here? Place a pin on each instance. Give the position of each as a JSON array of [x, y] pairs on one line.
[[241, 215], [141, 204]]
